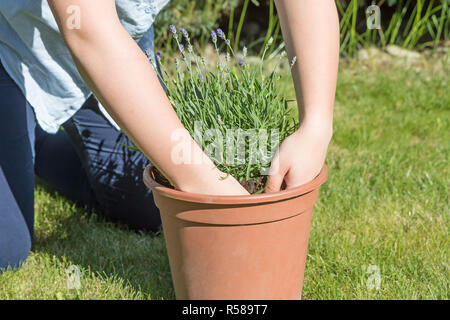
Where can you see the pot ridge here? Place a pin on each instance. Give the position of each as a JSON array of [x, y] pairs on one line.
[[234, 200]]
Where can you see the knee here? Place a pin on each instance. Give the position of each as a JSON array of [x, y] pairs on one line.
[[137, 210], [140, 215], [15, 246], [145, 216]]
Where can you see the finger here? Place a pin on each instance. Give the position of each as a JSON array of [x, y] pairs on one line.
[[274, 183], [276, 178]]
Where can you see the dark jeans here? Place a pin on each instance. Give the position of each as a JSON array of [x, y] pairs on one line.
[[85, 162]]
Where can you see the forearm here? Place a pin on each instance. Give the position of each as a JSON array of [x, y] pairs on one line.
[[311, 33], [124, 81], [118, 73]]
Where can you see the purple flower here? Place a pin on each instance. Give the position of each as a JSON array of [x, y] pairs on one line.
[[181, 47], [184, 33], [149, 55], [173, 29], [190, 48], [227, 41], [242, 63], [221, 33], [177, 62], [213, 36], [200, 76], [158, 55]]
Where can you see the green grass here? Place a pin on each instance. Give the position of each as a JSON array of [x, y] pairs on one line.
[[385, 204], [386, 200]]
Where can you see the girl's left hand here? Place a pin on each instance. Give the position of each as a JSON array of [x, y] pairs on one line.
[[300, 157]]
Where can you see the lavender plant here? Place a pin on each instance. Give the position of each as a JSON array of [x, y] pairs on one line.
[[235, 111]]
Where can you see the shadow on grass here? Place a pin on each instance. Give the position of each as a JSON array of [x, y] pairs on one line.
[[106, 250]]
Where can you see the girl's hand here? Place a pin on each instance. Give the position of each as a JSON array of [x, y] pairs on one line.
[[300, 157], [212, 181]]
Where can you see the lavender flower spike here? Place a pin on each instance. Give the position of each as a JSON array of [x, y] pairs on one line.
[[181, 47], [213, 36], [173, 29], [221, 34], [184, 33], [242, 63], [149, 55]]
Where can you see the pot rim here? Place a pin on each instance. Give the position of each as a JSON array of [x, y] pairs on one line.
[[239, 199]]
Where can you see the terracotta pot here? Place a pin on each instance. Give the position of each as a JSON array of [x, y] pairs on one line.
[[237, 247]]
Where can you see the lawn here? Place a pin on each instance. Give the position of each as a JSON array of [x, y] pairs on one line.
[[383, 211]]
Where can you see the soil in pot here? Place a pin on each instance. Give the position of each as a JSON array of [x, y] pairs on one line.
[[253, 185]]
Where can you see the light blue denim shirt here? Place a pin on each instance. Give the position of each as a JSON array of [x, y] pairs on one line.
[[34, 54]]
